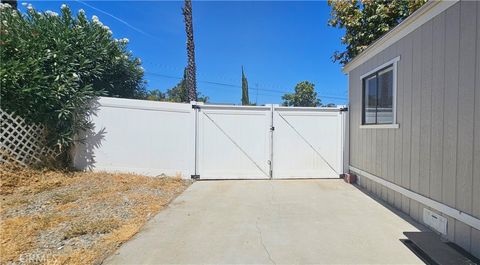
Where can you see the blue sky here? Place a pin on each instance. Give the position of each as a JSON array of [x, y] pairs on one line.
[[278, 43]]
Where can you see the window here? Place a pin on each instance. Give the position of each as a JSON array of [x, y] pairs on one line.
[[378, 95]]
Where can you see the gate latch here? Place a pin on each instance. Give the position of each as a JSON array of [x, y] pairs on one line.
[[272, 128]]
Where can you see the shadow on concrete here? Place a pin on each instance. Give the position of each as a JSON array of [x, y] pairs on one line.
[[393, 209], [413, 236]]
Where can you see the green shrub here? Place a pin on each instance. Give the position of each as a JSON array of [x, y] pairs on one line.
[[53, 66]]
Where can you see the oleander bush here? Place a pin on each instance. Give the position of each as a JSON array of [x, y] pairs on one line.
[[54, 65]]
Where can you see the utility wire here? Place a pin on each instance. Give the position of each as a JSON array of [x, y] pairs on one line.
[[234, 86], [179, 78]]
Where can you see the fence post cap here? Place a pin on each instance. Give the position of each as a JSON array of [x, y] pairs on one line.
[[196, 103]]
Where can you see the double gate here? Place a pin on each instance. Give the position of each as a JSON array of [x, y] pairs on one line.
[[263, 142], [213, 141]]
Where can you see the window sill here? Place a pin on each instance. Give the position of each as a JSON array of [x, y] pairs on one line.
[[380, 126]]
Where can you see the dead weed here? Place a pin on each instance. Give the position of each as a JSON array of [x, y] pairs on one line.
[[75, 217], [84, 227]]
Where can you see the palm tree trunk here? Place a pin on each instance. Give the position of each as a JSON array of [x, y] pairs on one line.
[[191, 68]]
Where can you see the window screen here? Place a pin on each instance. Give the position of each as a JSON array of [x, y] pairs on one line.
[[378, 97]]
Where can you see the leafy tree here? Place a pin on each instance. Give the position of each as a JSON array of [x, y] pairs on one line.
[[304, 96], [178, 93], [365, 21], [53, 65], [245, 100], [156, 95], [191, 79]]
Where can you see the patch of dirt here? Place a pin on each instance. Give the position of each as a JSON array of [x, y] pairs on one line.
[[57, 217]]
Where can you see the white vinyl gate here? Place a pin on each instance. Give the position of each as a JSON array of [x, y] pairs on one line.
[[214, 141], [250, 142], [307, 142], [233, 142]]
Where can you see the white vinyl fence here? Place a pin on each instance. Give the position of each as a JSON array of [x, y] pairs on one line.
[[143, 137], [215, 141]]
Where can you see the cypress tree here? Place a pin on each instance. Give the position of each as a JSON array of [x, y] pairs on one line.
[[245, 100]]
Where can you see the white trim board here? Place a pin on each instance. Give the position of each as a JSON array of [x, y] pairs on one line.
[[380, 126], [392, 62], [427, 12], [452, 212]]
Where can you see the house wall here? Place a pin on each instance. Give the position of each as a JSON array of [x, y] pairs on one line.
[[435, 152]]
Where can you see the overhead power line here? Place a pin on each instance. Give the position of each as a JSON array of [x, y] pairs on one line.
[[235, 86]]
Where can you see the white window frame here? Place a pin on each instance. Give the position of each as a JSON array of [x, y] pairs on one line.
[[394, 125]]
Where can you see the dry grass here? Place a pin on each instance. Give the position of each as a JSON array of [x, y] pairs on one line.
[[55, 217], [85, 227]]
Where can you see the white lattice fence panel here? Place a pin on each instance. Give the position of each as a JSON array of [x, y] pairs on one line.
[[20, 142]]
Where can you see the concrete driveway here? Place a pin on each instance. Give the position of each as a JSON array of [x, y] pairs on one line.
[[271, 222]]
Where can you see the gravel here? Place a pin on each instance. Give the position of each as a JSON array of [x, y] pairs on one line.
[[81, 218]]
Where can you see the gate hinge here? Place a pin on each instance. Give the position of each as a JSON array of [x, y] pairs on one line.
[[272, 128], [195, 177]]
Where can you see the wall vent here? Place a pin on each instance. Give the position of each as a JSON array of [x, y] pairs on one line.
[[435, 221]]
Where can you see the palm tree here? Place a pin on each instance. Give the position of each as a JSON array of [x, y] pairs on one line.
[[191, 68]]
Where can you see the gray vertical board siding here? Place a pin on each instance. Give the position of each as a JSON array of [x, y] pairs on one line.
[[385, 153], [406, 126], [398, 148], [352, 94], [426, 107], [371, 143], [372, 134], [357, 110], [391, 140], [462, 235], [476, 162], [390, 136], [373, 152], [416, 111], [357, 117], [377, 137], [450, 118], [366, 138], [379, 156], [466, 99], [364, 146], [352, 130], [382, 150], [450, 228], [436, 150], [356, 113], [475, 239], [391, 163], [438, 87]]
